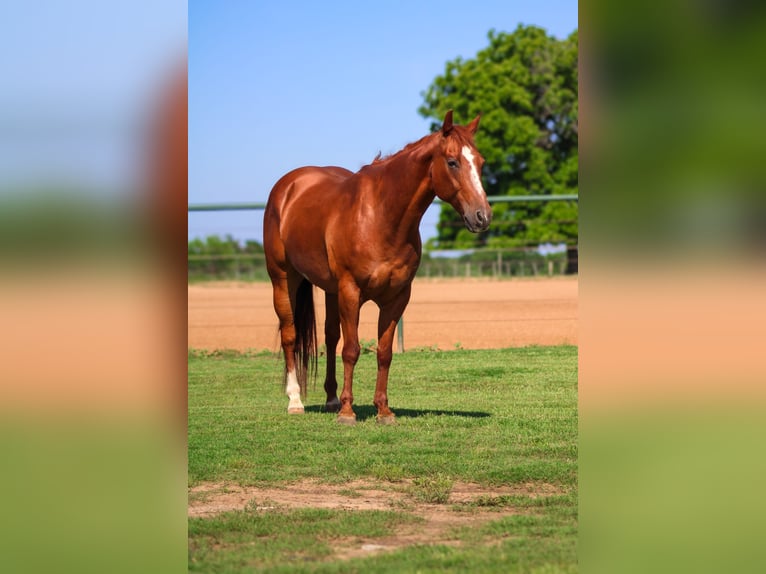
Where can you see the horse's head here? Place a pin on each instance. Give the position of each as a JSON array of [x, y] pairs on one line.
[[456, 174]]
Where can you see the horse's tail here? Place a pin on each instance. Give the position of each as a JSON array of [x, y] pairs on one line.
[[305, 334]]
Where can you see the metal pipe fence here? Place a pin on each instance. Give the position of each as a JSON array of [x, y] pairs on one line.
[[492, 199]]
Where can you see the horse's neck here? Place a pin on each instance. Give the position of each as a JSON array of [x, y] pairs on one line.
[[406, 192]]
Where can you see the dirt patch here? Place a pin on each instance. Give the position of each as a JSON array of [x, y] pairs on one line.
[[439, 521], [208, 499], [446, 313]]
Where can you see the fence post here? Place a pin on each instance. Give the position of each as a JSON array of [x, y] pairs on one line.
[[400, 334]]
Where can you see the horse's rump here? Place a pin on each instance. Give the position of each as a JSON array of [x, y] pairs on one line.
[[301, 208]]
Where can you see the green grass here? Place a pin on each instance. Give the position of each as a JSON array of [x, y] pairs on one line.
[[433, 489], [494, 417], [274, 538]]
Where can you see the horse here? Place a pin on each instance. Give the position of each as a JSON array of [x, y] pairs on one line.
[[356, 236]]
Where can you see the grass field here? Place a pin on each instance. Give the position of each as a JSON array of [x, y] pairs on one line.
[[479, 474]]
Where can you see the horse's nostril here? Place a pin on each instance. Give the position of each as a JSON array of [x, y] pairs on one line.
[[480, 217]]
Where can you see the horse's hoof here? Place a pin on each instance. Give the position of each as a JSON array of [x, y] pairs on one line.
[[349, 420], [295, 411], [386, 420], [332, 406]]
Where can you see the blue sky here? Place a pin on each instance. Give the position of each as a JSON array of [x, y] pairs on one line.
[[276, 85]]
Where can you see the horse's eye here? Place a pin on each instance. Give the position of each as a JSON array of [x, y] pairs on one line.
[[453, 163]]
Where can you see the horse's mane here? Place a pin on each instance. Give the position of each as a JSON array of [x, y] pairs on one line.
[[406, 149]]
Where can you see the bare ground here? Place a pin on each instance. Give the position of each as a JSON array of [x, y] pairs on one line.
[[446, 313], [439, 521]]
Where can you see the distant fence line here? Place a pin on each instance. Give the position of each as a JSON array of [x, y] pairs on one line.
[[505, 263], [529, 265]]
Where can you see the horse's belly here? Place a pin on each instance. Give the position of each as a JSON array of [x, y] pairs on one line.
[[312, 264]]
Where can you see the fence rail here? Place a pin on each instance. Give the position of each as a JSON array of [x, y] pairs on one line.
[[492, 199]]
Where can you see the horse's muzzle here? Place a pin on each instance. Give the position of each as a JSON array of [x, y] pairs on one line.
[[477, 221]]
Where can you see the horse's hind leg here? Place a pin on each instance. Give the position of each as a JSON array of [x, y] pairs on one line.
[[283, 305], [332, 336]]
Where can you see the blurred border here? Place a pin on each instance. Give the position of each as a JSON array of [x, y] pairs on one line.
[[672, 283], [93, 180]]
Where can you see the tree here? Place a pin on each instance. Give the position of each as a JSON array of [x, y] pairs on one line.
[[524, 85]]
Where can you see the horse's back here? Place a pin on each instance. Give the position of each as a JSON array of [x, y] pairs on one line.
[[302, 179], [299, 185]]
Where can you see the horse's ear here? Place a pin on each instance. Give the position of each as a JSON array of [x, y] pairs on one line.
[[474, 125], [447, 125]]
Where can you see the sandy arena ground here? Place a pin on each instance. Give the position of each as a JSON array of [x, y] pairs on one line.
[[447, 313]]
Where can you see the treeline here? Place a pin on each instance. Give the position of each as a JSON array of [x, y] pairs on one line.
[[216, 258]]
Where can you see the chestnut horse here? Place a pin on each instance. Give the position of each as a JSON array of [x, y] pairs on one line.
[[356, 236]]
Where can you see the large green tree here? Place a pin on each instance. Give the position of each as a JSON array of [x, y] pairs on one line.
[[524, 85]]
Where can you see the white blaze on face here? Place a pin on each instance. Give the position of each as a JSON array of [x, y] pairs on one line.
[[475, 179], [293, 391]]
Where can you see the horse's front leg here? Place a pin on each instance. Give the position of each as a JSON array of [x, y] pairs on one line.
[[390, 313], [349, 302]]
